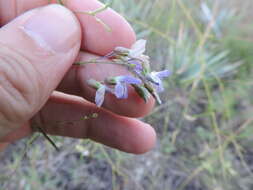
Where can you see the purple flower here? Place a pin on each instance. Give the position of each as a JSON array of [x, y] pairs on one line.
[[156, 78], [137, 66], [140, 65], [100, 94], [120, 90]]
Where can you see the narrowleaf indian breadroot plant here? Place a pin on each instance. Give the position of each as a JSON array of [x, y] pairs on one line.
[[146, 83]]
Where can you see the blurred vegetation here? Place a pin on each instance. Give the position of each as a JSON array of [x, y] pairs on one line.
[[204, 126]]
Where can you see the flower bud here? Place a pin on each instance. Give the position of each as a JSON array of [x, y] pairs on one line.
[[142, 92], [121, 50], [111, 80], [94, 84], [153, 92]]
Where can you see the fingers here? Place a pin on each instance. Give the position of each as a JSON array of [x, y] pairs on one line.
[[63, 114], [13, 8], [35, 54], [75, 83], [95, 37]]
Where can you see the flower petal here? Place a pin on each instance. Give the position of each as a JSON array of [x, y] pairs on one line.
[[122, 50], [137, 65], [153, 78], [129, 80], [108, 89], [100, 96], [162, 74], [125, 95], [160, 88], [138, 48], [119, 90]]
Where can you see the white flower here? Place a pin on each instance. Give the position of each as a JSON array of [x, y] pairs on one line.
[[136, 50]]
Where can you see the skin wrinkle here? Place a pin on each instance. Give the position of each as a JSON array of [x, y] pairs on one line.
[[12, 89], [6, 79], [20, 55], [10, 111], [20, 61], [14, 86], [8, 118], [39, 82], [5, 114], [8, 124]]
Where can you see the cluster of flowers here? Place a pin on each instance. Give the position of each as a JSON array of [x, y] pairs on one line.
[[145, 82]]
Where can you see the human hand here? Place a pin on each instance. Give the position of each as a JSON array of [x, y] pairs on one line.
[[37, 51]]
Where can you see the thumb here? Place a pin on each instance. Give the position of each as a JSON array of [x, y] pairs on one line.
[[36, 50]]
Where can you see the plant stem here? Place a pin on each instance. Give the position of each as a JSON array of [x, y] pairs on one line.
[[99, 62], [48, 138], [93, 13]]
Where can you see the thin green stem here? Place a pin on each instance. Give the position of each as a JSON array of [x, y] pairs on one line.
[[99, 10], [215, 126], [48, 138], [100, 62], [95, 12]]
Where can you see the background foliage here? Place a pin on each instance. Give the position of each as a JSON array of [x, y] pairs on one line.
[[204, 126]]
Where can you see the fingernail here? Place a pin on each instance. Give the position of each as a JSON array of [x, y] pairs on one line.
[[53, 28]]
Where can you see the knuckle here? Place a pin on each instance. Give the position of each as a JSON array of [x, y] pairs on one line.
[[19, 86]]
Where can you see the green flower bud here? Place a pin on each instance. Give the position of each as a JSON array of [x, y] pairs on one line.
[[142, 92], [94, 84]]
